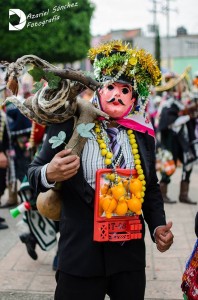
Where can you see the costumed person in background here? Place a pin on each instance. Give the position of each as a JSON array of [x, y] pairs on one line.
[[39, 230], [7, 170], [177, 137], [152, 106], [4, 146], [3, 160], [195, 88], [20, 128], [195, 80], [124, 141]]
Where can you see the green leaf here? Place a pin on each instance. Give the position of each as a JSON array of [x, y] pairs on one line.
[[62, 135], [53, 84], [57, 140], [37, 73], [37, 86], [57, 143], [52, 79], [84, 130]]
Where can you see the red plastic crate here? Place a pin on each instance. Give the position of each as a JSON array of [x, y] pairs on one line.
[[116, 228]]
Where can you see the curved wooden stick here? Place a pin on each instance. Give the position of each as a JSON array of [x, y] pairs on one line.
[[74, 75]]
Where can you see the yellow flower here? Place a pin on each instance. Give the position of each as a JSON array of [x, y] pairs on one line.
[[133, 61], [118, 47]]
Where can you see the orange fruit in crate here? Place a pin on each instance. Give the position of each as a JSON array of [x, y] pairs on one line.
[[106, 202], [126, 184], [109, 192], [101, 210], [118, 190], [138, 195], [109, 205], [113, 205], [104, 189], [135, 186], [121, 208], [135, 205]]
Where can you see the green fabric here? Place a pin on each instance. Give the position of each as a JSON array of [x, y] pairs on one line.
[[26, 193]]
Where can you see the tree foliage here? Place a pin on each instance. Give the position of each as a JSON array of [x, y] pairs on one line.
[[65, 39]]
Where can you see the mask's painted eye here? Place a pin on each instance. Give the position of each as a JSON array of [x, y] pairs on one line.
[[110, 87], [125, 90]]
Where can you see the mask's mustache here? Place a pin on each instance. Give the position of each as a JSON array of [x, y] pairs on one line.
[[113, 99]]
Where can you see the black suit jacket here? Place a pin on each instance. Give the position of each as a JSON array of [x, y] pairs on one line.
[[78, 253]]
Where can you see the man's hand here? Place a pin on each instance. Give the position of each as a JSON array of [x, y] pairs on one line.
[[3, 161], [62, 167], [164, 237]]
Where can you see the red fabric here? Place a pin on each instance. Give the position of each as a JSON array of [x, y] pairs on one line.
[[37, 133]]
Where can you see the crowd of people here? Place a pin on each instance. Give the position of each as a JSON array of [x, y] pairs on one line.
[[20, 139], [176, 126], [125, 140]]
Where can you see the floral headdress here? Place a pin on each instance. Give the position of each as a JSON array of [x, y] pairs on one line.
[[115, 61]]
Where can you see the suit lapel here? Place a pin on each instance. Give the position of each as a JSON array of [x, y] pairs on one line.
[[143, 146]]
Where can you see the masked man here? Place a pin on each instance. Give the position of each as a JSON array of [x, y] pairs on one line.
[[177, 137], [125, 141]]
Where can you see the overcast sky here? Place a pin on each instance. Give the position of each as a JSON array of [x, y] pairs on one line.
[[130, 14]]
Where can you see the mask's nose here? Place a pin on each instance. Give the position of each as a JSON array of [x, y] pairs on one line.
[[116, 92]]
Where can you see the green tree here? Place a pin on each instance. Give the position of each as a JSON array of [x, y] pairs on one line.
[[64, 37]]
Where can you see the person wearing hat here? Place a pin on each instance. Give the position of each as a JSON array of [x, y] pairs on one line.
[[3, 147], [178, 142], [20, 128], [4, 141], [6, 162], [126, 140]]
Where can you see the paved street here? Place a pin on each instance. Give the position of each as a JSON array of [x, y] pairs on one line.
[[23, 278]]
